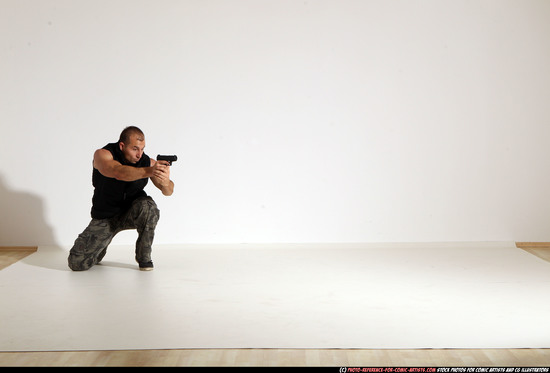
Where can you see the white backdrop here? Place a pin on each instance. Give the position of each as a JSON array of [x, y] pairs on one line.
[[293, 121]]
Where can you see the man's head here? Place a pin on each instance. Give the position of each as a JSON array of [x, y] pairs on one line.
[[132, 143]]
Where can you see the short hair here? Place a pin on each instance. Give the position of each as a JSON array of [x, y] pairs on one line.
[[128, 132]]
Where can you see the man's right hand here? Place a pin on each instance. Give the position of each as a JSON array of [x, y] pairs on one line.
[[161, 177]]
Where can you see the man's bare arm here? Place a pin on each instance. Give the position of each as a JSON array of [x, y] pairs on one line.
[[107, 166]]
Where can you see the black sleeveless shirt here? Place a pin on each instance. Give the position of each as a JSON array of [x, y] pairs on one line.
[[112, 196]]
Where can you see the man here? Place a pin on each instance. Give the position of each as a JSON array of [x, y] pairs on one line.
[[120, 172]]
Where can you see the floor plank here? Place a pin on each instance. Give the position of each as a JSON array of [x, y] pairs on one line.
[[13, 254], [282, 358]]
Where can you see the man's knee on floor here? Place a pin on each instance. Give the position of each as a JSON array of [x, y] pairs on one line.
[[80, 262]]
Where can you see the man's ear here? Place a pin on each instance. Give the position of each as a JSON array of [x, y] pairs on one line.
[[121, 145]]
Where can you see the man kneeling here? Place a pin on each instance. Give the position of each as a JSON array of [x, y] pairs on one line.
[[121, 171]]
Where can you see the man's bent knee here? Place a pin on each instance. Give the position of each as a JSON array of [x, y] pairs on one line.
[[147, 208], [148, 204], [80, 262]]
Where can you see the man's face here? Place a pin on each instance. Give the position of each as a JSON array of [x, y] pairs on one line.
[[134, 149]]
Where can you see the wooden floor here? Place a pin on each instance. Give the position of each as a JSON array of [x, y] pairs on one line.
[[279, 357]]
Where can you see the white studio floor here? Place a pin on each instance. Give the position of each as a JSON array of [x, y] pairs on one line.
[[364, 296]]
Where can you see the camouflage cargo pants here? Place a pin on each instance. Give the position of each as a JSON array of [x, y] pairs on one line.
[[91, 245]]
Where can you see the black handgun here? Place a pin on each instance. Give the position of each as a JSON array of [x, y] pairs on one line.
[[168, 158]]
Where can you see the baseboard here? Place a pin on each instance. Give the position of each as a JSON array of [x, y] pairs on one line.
[[19, 248], [533, 245]]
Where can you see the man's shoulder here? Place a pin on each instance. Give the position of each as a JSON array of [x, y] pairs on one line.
[[111, 148]]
